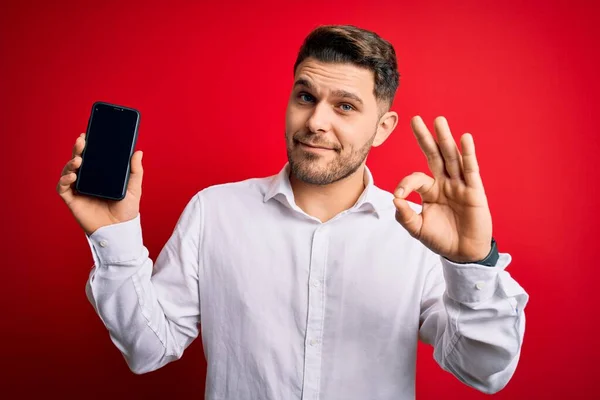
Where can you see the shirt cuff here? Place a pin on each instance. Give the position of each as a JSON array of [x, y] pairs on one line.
[[117, 243], [473, 283]]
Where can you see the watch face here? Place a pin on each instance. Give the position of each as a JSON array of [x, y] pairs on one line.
[[492, 258]]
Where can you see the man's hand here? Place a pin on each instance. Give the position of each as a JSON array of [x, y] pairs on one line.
[[455, 221], [90, 212]]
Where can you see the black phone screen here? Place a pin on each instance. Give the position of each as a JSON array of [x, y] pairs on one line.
[[110, 139]]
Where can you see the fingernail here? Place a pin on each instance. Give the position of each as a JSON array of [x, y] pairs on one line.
[[399, 192]]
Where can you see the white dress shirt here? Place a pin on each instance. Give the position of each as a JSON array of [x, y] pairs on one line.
[[293, 308]]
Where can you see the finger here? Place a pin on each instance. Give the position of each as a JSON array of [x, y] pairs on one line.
[[452, 158], [415, 182], [408, 218], [64, 186], [72, 166], [428, 146], [405, 215], [470, 164], [137, 174], [79, 145]]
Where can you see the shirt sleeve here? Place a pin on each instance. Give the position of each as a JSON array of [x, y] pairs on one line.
[[151, 310], [474, 317]]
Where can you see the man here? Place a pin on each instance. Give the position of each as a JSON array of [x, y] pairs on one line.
[[314, 283]]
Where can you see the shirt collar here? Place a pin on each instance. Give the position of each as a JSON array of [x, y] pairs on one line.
[[280, 189]]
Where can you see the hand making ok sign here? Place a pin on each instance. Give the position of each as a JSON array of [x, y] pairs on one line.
[[455, 221]]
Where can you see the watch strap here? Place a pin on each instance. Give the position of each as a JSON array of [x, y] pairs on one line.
[[489, 261]]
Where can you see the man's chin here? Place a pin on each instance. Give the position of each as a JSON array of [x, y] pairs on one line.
[[311, 173]]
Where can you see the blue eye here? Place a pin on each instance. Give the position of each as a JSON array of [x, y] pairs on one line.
[[306, 97], [347, 107]]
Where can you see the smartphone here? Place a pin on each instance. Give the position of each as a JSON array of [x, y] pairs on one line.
[[110, 140]]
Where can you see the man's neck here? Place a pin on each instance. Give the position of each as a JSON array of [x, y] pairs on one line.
[[325, 202]]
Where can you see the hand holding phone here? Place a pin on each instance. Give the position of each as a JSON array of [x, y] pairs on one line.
[[104, 201]]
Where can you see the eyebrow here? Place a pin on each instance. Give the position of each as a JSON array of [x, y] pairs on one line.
[[336, 93]]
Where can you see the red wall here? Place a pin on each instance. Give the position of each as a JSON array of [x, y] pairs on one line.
[[212, 82]]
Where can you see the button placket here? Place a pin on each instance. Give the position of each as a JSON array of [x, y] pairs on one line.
[[316, 314]]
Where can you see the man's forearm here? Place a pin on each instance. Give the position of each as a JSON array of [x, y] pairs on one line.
[[479, 333], [121, 291]]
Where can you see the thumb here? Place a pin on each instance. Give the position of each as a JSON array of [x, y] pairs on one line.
[[408, 218], [137, 173], [405, 215]]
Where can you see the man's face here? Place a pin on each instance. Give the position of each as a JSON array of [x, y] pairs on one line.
[[331, 121]]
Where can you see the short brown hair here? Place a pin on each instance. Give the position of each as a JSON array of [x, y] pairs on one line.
[[363, 48]]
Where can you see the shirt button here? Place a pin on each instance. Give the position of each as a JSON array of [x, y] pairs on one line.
[[103, 243], [313, 342], [479, 285], [316, 283]]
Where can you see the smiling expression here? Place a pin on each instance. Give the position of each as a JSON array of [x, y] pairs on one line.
[[332, 120]]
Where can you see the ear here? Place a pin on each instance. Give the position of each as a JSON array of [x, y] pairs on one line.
[[385, 127]]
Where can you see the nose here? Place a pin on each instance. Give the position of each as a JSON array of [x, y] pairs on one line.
[[320, 119]]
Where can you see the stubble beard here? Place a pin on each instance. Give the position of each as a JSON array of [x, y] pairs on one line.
[[304, 166]]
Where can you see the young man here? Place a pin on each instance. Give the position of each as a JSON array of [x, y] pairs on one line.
[[314, 283]]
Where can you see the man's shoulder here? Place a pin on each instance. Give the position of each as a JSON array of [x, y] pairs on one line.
[[246, 189]]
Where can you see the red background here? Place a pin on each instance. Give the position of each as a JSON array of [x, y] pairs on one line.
[[212, 80]]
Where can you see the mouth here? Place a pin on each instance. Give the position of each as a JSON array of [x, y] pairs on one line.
[[311, 147]]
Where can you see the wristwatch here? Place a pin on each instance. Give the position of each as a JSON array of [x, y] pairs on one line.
[[489, 261]]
